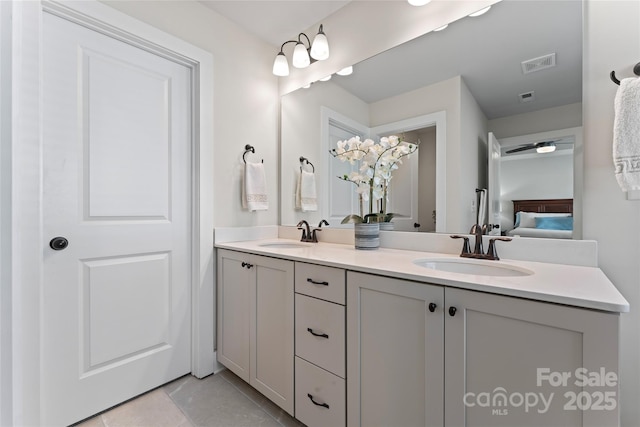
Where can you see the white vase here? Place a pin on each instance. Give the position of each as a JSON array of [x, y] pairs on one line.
[[367, 236]]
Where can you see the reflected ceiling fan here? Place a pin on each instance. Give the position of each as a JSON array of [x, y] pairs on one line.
[[540, 147]]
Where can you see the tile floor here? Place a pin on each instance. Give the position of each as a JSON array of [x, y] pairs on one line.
[[221, 400]]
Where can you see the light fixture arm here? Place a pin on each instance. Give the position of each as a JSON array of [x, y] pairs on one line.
[[283, 44], [306, 37]]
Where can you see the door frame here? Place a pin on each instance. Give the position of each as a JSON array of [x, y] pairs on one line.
[[22, 196]]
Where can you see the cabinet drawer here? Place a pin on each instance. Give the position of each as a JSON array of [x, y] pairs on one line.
[[327, 391], [327, 321], [327, 283]]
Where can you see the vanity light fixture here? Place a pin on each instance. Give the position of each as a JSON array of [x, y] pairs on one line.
[[480, 12], [346, 71], [546, 147], [441, 28], [303, 56], [418, 2], [326, 79]]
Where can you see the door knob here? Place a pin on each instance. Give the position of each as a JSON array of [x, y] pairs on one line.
[[58, 243]]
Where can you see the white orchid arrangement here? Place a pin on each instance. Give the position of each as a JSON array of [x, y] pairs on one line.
[[377, 163]]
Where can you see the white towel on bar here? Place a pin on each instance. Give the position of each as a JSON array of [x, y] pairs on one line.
[[482, 207], [254, 187], [626, 134], [306, 196]]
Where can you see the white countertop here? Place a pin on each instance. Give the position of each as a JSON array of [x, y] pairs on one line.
[[578, 286]]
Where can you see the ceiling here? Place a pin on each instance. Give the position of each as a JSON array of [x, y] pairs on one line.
[[486, 51], [275, 21]]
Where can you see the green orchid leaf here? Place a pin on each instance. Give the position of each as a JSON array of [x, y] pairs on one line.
[[356, 219], [373, 218]]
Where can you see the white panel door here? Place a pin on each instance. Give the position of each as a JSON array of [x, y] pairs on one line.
[[343, 198], [493, 198], [117, 185], [403, 194]]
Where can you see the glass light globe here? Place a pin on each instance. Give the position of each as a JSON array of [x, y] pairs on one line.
[[281, 65], [320, 46], [300, 56]]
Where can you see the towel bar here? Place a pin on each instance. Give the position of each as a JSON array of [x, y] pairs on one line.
[[304, 159], [636, 71], [248, 148]]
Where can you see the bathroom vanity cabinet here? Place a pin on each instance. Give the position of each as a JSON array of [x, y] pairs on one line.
[[255, 322], [380, 342], [426, 355]]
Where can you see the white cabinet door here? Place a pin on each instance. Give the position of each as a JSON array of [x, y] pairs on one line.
[[503, 357], [395, 352], [272, 330], [255, 322], [234, 286]]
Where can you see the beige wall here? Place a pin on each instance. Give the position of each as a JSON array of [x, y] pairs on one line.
[[300, 135], [612, 42], [473, 155], [245, 104], [442, 96], [563, 117]]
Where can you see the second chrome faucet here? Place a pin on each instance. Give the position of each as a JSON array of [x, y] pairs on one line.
[[478, 252], [307, 234]]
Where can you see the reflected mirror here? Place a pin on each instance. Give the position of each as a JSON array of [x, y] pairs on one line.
[[515, 71]]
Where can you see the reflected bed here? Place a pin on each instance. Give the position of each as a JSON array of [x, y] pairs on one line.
[[550, 218]]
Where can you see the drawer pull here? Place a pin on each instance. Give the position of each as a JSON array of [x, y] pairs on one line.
[[317, 335], [310, 280], [324, 405]]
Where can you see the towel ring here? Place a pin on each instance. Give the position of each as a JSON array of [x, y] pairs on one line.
[[636, 71], [248, 148], [304, 159]]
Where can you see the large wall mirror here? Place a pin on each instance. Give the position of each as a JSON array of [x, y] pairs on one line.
[[515, 72]]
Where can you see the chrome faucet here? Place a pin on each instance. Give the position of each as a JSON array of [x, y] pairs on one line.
[[306, 231], [314, 237], [478, 231]]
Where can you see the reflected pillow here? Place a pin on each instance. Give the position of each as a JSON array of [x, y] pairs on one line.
[[528, 219], [554, 223]]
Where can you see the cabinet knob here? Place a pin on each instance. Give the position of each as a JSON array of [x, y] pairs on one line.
[[432, 306], [324, 405], [452, 311], [247, 265], [315, 334]]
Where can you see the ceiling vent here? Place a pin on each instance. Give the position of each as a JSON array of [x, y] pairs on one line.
[[527, 96], [540, 63]]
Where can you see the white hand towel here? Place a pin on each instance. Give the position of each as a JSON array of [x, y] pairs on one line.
[[482, 207], [254, 188], [306, 197], [626, 134]]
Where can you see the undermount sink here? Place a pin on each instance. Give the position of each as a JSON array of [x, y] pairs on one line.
[[283, 245], [473, 267]]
